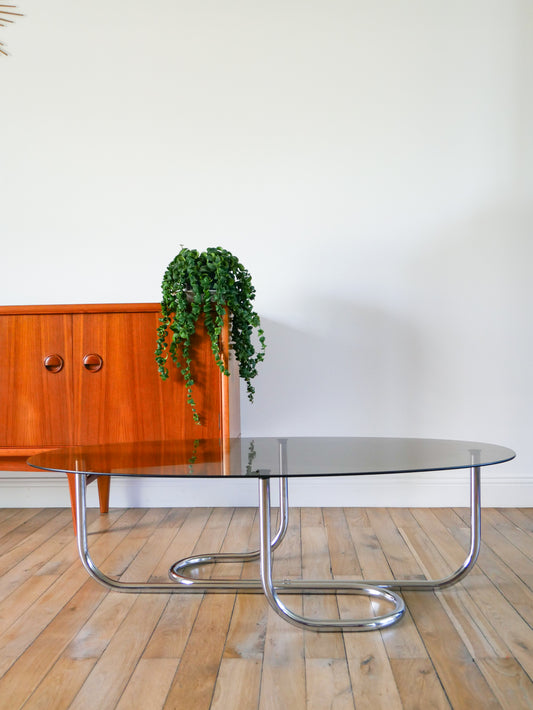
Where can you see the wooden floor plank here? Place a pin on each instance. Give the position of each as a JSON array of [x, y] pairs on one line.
[[418, 684], [371, 674], [510, 684], [522, 517], [66, 642], [27, 671], [247, 631], [316, 564], [60, 685], [186, 530], [343, 555], [521, 539], [16, 554], [24, 583], [11, 518], [22, 537], [149, 684], [100, 638], [328, 684], [475, 629], [238, 683], [463, 683], [34, 642], [283, 677], [173, 629], [236, 540], [26, 626], [504, 577], [198, 668], [116, 664], [195, 679], [505, 549], [399, 557], [513, 630]]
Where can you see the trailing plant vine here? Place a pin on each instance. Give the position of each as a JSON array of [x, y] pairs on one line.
[[210, 283]]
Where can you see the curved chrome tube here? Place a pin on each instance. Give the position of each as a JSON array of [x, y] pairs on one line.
[[367, 624], [183, 584], [178, 567], [271, 589], [470, 560], [83, 550], [325, 586]]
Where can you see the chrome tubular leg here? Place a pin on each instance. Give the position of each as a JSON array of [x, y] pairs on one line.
[[83, 548], [375, 588], [176, 572], [92, 569], [184, 584], [470, 560], [275, 602]]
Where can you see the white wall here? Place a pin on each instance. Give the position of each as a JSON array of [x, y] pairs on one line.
[[369, 162]]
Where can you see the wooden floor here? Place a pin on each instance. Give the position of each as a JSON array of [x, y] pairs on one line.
[[66, 642]]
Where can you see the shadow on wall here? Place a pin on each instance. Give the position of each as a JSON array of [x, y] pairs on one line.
[[350, 372]]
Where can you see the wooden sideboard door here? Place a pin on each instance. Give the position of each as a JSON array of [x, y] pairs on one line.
[[86, 374], [36, 380], [118, 394]]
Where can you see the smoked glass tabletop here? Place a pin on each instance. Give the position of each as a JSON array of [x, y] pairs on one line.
[[269, 457]]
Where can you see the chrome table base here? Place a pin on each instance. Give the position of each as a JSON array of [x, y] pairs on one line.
[[381, 590]]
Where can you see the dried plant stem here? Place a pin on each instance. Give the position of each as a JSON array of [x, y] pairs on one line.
[[4, 19]]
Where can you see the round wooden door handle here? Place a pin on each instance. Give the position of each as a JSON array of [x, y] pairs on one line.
[[93, 362], [53, 363]]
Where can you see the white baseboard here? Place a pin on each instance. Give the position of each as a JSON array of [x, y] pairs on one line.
[[29, 490]]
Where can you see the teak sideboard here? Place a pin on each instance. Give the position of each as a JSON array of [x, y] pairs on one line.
[[86, 374]]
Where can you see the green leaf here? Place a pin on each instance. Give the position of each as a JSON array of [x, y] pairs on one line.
[[211, 283]]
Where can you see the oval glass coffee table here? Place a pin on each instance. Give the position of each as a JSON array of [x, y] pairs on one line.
[[273, 458]]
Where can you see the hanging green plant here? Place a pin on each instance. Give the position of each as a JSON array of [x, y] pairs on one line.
[[210, 283]]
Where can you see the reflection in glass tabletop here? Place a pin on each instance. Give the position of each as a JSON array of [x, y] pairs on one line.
[[261, 457]]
